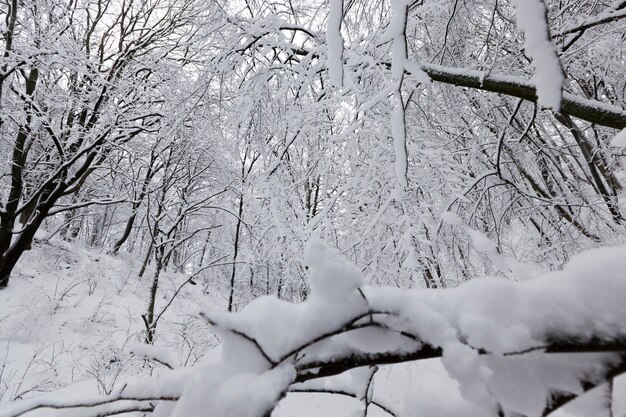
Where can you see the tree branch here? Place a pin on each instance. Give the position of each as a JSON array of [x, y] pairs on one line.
[[592, 111]]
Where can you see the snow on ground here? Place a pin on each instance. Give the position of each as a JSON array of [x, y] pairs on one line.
[[73, 316]]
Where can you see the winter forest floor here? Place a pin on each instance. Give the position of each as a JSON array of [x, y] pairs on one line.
[[73, 317]]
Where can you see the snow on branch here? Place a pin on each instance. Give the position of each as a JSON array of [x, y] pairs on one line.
[[396, 32], [592, 111], [533, 20], [96, 406], [600, 19], [492, 336], [334, 42]]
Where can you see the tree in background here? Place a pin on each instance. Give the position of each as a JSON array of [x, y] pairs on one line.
[[77, 82], [316, 153]]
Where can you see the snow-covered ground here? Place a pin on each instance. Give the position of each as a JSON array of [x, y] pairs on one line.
[[73, 316]]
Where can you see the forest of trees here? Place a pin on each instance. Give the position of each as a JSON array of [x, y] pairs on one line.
[[430, 142]]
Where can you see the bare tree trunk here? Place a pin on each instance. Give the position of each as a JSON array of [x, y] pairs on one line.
[[96, 229], [74, 229], [69, 218], [603, 179], [21, 243], [204, 248], [609, 397], [9, 253], [235, 251], [135, 208], [146, 261], [149, 317]]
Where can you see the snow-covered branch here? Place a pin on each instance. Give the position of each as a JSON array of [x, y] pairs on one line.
[[592, 111], [334, 42], [483, 331], [532, 18], [610, 15]]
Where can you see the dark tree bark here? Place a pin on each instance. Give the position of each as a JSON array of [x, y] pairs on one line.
[[235, 252]]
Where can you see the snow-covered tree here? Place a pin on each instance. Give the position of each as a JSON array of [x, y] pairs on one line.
[[77, 81]]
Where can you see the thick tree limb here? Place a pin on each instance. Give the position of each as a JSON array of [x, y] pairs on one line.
[[319, 369], [592, 111]]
